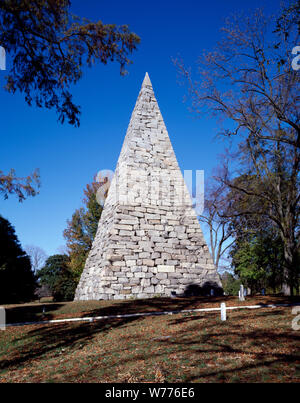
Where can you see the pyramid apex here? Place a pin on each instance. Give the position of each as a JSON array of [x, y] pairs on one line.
[[147, 80]]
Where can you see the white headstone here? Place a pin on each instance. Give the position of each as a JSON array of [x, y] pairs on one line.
[[2, 319], [241, 293], [223, 311]]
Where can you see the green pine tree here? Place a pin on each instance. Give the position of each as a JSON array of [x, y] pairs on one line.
[[17, 280]]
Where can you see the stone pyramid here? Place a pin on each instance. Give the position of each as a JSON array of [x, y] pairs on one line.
[[149, 241]]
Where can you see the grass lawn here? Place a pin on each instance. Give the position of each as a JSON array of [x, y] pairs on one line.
[[251, 346]]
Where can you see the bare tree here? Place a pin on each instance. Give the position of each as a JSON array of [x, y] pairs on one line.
[[213, 217], [248, 81], [37, 256]]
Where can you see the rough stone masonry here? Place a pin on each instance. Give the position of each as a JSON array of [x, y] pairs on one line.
[[149, 241]]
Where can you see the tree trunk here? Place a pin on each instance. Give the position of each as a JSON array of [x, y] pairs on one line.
[[285, 289], [290, 269]]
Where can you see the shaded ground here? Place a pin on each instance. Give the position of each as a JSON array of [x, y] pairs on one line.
[[251, 346], [34, 312]]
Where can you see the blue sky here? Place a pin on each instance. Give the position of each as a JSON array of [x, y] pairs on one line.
[[69, 157]]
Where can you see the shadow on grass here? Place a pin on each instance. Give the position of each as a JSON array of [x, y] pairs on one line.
[[269, 341], [190, 341], [46, 339], [155, 305], [50, 340], [34, 313], [31, 313]]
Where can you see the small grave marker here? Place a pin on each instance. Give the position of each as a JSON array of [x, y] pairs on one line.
[[223, 311], [241, 293], [2, 319]]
